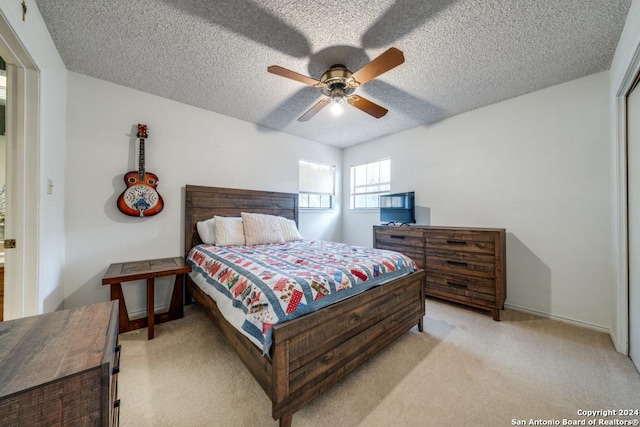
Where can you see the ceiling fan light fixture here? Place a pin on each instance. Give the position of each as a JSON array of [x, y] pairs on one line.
[[337, 94], [337, 99], [337, 106]]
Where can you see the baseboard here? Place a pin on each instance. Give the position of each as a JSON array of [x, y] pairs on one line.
[[143, 313], [563, 319]]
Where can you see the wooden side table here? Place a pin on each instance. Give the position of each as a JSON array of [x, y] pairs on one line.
[[149, 270]]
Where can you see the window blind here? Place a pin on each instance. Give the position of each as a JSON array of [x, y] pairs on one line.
[[316, 178]]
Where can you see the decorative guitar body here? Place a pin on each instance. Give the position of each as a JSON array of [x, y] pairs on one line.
[[141, 197]]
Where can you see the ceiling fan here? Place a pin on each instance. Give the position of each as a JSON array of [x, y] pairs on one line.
[[337, 84]]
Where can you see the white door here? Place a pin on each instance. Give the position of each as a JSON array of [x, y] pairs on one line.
[[22, 176], [633, 201]]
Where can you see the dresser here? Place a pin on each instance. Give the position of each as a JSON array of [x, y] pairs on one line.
[[1, 292], [61, 368], [462, 264]]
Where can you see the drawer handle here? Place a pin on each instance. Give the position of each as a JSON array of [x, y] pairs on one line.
[[116, 413], [116, 369], [458, 263], [456, 242], [457, 285], [397, 236]]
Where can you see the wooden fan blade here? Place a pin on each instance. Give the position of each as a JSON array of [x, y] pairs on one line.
[[314, 110], [283, 72], [367, 106], [389, 59]]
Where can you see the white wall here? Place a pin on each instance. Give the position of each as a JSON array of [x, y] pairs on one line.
[[537, 165], [186, 145], [50, 160]]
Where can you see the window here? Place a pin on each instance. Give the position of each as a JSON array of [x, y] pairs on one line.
[[368, 181], [317, 185]]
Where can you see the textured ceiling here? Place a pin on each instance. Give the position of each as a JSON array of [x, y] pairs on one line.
[[459, 55]]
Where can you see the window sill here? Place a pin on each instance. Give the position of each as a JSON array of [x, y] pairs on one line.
[[317, 210]]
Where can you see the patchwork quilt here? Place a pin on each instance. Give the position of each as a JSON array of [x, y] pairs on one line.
[[257, 287]]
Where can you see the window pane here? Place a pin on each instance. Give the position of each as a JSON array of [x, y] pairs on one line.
[[314, 200], [360, 175], [368, 181], [325, 201], [385, 171], [373, 173]]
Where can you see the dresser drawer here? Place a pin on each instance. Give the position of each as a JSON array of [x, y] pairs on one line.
[[417, 255], [114, 402], [112, 360], [407, 241], [461, 241], [452, 284], [461, 263], [414, 237], [462, 297]]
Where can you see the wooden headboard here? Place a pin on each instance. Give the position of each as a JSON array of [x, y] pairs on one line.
[[204, 202]]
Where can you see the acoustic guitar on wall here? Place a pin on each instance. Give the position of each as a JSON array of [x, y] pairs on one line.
[[141, 197]]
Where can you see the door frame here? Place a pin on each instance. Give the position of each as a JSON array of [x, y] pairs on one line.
[[23, 176], [619, 125]]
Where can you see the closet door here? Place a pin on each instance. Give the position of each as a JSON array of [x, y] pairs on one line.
[[633, 200]]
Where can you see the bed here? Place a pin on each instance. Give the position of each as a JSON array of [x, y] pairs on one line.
[[310, 353]]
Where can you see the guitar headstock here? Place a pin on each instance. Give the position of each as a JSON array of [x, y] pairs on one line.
[[142, 131]]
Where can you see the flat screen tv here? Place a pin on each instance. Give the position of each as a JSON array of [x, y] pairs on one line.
[[398, 208]]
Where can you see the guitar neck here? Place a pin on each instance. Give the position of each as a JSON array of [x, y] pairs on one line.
[[141, 174]]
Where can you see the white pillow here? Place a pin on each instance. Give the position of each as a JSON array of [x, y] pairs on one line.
[[260, 229], [289, 229], [229, 231], [206, 231]]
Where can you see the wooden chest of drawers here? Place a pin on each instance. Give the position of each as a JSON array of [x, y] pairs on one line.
[[61, 368], [465, 265]]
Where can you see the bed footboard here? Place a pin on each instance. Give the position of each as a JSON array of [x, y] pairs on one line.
[[315, 351]]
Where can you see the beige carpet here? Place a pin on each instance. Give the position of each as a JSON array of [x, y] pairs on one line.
[[464, 370]]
